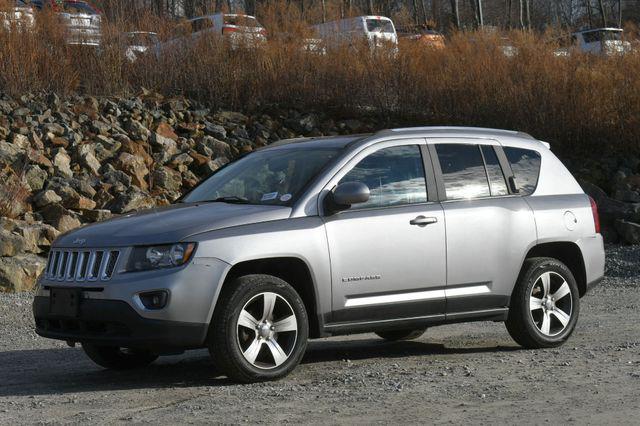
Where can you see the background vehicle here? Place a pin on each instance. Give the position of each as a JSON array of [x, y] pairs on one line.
[[388, 233], [82, 21], [428, 38], [377, 31], [19, 17], [138, 43], [597, 41], [239, 30]]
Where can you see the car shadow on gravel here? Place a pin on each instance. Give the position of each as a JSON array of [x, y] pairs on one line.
[[57, 371], [376, 348]]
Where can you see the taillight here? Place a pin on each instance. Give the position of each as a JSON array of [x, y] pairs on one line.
[[226, 30], [596, 216]]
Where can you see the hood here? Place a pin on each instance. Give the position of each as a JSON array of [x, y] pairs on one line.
[[170, 224]]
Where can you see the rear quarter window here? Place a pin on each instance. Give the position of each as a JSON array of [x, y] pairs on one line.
[[525, 164]]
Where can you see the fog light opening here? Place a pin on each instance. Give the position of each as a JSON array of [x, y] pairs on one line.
[[154, 299]]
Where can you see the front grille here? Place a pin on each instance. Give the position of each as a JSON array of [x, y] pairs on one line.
[[81, 265]]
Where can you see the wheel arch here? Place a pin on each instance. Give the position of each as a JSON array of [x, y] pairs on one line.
[[296, 272], [568, 253]]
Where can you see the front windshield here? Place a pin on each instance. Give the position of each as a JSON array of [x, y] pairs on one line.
[[271, 177], [596, 36], [241, 21], [379, 26]]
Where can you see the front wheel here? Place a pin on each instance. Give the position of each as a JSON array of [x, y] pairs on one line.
[[545, 304], [116, 358], [259, 330]]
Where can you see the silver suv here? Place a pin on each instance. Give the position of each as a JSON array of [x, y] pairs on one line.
[[388, 233]]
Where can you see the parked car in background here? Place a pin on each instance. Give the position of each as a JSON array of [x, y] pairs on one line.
[[597, 41], [82, 21], [427, 38], [17, 17], [389, 233], [140, 43], [377, 31], [236, 29]]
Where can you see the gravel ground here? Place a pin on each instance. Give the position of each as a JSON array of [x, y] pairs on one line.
[[452, 374]]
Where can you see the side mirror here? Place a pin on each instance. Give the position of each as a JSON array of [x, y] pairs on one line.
[[346, 194]]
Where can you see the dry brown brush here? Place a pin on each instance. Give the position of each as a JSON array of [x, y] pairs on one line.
[[580, 103]]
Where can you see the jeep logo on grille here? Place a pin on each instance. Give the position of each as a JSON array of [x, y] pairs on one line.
[[79, 241]]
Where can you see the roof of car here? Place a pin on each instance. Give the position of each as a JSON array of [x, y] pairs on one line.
[[593, 30], [428, 131]]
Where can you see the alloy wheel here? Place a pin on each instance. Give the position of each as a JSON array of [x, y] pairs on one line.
[[550, 304], [267, 330]]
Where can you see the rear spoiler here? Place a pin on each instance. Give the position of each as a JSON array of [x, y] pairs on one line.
[[547, 144]]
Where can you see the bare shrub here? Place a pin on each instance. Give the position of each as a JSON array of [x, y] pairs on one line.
[[580, 103]]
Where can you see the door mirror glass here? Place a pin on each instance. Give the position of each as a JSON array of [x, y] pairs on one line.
[[349, 193]]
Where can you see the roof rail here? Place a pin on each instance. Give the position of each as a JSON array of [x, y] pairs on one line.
[[456, 128]]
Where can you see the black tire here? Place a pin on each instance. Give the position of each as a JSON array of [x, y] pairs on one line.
[[397, 335], [115, 358], [225, 340], [523, 323]]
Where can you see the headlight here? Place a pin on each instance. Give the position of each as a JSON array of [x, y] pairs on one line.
[[157, 257]]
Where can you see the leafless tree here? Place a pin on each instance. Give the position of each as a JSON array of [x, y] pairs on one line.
[[455, 12], [602, 13]]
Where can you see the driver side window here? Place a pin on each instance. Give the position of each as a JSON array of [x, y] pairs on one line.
[[395, 176]]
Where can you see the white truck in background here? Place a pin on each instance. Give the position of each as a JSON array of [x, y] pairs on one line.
[[377, 31]]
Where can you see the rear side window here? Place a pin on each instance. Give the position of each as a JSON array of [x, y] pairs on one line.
[[395, 176], [462, 171], [497, 182], [202, 24], [525, 165]]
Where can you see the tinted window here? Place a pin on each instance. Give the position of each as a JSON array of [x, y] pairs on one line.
[[395, 176], [497, 182], [463, 171], [525, 165]]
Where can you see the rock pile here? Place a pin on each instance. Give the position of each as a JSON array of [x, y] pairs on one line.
[[619, 205], [67, 163]]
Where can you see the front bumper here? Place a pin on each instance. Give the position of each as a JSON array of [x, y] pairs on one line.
[[115, 323], [111, 312]]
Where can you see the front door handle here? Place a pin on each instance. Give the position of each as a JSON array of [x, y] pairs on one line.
[[423, 221]]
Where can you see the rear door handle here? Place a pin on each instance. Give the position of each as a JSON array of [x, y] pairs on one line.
[[423, 221]]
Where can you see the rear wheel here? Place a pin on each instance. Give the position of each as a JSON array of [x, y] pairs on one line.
[[259, 330], [396, 335], [116, 358], [545, 304]]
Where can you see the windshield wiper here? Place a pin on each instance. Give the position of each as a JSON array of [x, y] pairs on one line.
[[229, 199]]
